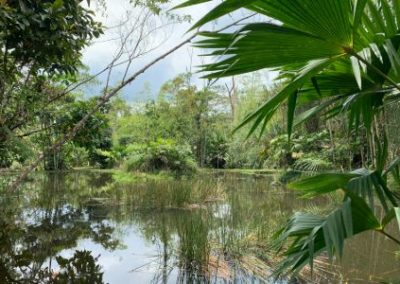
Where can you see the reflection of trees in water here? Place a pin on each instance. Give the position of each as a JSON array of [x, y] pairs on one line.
[[80, 268], [28, 247], [34, 229], [199, 244]]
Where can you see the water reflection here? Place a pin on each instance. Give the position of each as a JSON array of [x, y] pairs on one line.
[[36, 225], [86, 227]]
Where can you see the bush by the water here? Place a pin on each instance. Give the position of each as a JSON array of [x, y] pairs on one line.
[[161, 155]]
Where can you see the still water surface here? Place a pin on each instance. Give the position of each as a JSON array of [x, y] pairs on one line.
[[213, 229]]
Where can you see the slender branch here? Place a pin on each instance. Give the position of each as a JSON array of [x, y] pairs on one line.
[[35, 131], [113, 64], [389, 236], [236, 22]]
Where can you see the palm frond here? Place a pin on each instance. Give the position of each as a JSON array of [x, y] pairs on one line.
[[310, 235], [266, 111], [344, 57], [369, 184], [263, 45], [312, 165], [358, 38], [363, 183]]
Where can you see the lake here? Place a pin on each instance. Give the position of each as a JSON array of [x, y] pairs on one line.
[[215, 228]]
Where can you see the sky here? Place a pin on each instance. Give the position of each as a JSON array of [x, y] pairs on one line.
[[102, 51]]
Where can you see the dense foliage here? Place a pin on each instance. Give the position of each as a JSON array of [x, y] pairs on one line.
[[161, 155], [40, 52], [202, 119], [331, 118], [338, 57]]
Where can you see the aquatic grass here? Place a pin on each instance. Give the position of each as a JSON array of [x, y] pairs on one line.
[[213, 226], [163, 194], [194, 247]]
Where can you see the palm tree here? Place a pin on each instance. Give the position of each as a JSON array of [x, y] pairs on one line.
[[342, 55]]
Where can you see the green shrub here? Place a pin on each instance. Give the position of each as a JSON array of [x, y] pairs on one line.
[[13, 149], [103, 159], [161, 155], [312, 152], [245, 154], [76, 156]]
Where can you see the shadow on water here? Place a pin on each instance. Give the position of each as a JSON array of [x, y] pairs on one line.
[[85, 227]]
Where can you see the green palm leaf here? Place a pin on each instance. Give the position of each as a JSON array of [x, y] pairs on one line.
[[308, 235], [222, 9], [362, 183], [325, 19], [190, 3], [321, 184], [343, 32], [260, 46], [265, 112]]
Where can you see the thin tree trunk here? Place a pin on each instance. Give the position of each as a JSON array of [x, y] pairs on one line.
[[233, 99], [332, 141]]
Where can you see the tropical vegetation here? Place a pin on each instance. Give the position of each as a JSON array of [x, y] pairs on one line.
[[338, 58], [326, 126]]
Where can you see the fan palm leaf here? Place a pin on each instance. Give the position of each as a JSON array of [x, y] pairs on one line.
[[308, 235], [360, 35], [363, 183]]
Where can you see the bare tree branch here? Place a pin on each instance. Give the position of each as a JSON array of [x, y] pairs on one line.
[[116, 61]]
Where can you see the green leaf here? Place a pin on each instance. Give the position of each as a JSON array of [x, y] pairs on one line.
[[313, 111], [266, 111], [358, 13], [389, 16], [309, 235], [361, 182], [368, 184], [397, 211], [264, 45], [393, 56], [316, 86], [58, 4], [321, 184], [325, 19], [222, 9], [388, 217], [357, 71]]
